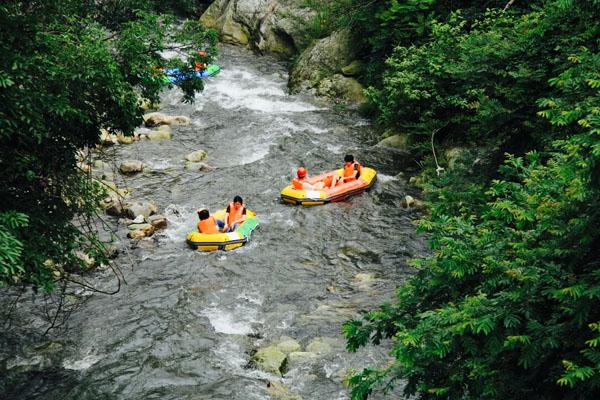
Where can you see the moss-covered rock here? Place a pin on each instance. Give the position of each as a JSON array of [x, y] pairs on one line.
[[270, 359]]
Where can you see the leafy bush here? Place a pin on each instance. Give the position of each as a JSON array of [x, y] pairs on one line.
[[507, 305], [64, 75]]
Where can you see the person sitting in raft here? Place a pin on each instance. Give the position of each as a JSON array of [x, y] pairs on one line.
[[207, 223], [235, 214], [351, 173], [300, 183]]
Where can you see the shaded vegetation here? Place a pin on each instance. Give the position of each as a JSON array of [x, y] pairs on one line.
[[70, 68]]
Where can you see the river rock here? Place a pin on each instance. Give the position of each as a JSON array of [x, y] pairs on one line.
[[146, 209], [325, 58], [196, 156], [342, 87], [162, 133], [158, 221], [131, 166], [125, 139], [281, 392], [199, 166], [138, 231], [288, 345], [410, 202], [156, 119], [270, 359], [399, 142]]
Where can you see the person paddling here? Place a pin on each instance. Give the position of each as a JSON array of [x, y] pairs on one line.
[[235, 214], [207, 223]]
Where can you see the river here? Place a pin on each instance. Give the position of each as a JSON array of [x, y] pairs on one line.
[[186, 323]]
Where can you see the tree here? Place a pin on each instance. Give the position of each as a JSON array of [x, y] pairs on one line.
[[66, 73], [507, 304]]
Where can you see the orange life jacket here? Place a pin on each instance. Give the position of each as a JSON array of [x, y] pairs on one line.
[[297, 182], [349, 171], [208, 225], [235, 215]]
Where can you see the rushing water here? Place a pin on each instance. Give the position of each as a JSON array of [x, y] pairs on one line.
[[186, 323]]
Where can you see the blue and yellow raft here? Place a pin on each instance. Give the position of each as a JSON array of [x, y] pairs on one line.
[[224, 241]]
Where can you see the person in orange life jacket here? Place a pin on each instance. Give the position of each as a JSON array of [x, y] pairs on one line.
[[300, 183], [235, 214], [351, 173], [207, 223]]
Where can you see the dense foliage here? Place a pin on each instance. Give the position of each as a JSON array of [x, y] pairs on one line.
[[67, 70], [507, 305]]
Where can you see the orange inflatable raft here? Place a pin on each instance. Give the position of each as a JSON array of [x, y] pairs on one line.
[[327, 195]]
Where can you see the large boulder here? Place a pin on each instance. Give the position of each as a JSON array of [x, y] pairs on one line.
[[327, 57], [398, 142], [274, 26], [343, 88]]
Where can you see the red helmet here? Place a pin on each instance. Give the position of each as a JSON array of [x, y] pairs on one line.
[[301, 172]]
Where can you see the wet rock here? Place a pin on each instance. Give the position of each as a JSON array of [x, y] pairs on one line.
[[138, 231], [196, 156], [399, 142], [131, 167], [158, 221], [342, 87], [288, 345], [323, 345], [125, 139], [270, 359], [410, 202], [281, 392], [330, 54], [157, 119], [146, 209], [163, 133]]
